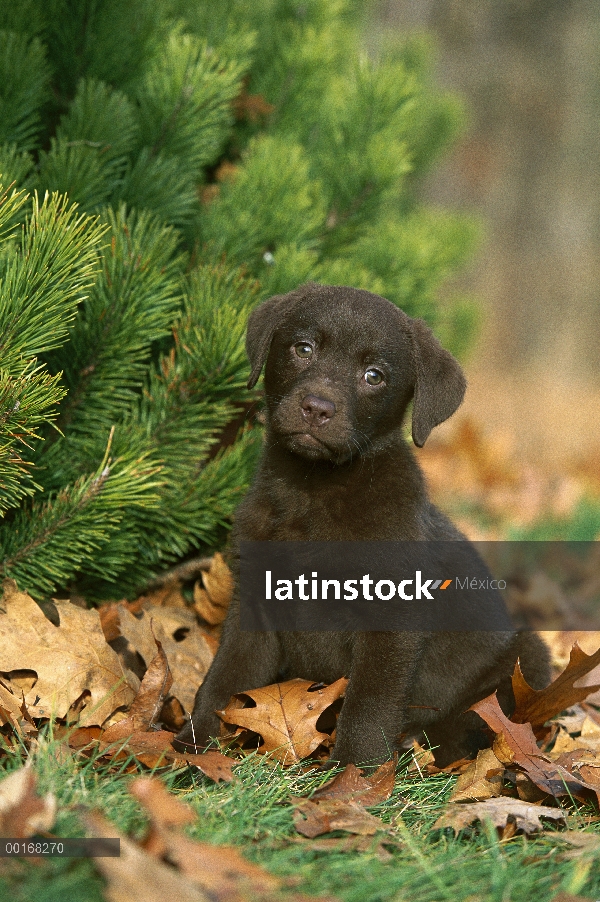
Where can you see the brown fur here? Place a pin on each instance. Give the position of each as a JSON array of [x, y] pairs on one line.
[[336, 467]]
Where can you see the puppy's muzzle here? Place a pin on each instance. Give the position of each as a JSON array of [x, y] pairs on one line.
[[317, 411]]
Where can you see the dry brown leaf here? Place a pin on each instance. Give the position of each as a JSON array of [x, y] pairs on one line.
[[285, 715], [154, 748], [581, 843], [172, 715], [218, 582], [22, 811], [536, 706], [455, 767], [564, 743], [528, 791], [314, 818], [571, 719], [206, 608], [67, 659], [212, 596], [84, 737], [137, 630], [148, 702], [196, 871], [590, 733], [515, 743], [135, 874], [560, 643], [351, 785], [189, 658], [525, 816], [422, 760], [376, 847], [220, 871], [212, 763], [109, 621], [482, 780], [168, 595], [163, 807], [10, 708]]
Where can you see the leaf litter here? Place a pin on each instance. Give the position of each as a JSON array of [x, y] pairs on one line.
[[167, 864], [107, 714]]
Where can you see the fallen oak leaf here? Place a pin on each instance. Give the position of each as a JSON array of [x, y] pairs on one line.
[[515, 743], [314, 818], [189, 658], [526, 817], [455, 767], [162, 806], [11, 708], [591, 709], [220, 871], [84, 737], [351, 785], [154, 748], [204, 606], [151, 748], [67, 659], [536, 706], [213, 764], [590, 733], [212, 595], [285, 715], [22, 812], [148, 702], [481, 781], [135, 874], [137, 630], [563, 745]]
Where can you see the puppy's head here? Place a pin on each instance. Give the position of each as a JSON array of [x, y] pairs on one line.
[[342, 366]]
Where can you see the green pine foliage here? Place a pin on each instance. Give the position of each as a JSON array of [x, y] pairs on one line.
[[167, 165]]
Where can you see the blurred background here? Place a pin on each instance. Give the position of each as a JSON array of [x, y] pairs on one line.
[[528, 72]]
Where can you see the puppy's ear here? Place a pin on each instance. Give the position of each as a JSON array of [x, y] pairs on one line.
[[263, 322], [439, 382]]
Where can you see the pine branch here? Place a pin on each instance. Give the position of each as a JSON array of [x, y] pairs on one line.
[[131, 306], [24, 76], [44, 280], [25, 404], [46, 544]]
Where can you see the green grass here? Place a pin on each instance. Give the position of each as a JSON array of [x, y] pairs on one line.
[[254, 814]]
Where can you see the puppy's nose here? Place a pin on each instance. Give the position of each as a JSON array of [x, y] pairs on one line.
[[317, 410]]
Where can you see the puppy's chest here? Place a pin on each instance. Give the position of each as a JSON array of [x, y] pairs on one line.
[[333, 512]]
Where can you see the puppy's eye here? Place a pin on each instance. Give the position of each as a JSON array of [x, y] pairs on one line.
[[303, 349], [373, 377]]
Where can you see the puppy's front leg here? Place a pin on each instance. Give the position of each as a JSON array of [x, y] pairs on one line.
[[244, 660], [373, 713]]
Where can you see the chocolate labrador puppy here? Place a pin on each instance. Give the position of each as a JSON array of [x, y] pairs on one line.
[[342, 366]]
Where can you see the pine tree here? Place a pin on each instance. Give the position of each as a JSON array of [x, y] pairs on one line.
[[167, 165]]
